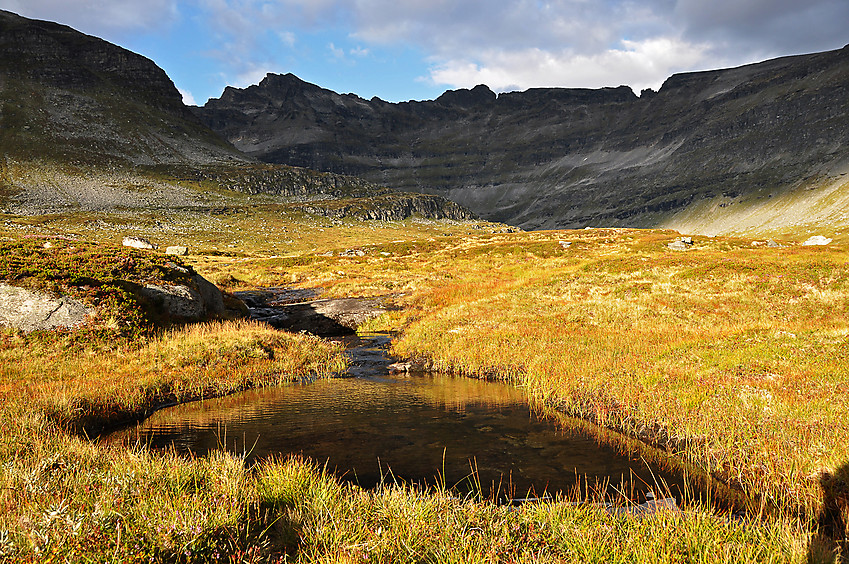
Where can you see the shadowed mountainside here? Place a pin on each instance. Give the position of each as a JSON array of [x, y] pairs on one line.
[[85, 124], [75, 98], [551, 157]]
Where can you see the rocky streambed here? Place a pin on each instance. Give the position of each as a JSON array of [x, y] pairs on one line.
[[296, 309]]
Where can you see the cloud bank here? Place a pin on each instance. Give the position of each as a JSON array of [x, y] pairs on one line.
[[99, 16], [514, 44]]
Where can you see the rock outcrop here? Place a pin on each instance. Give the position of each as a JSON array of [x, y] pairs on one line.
[[69, 283], [326, 318], [551, 158], [29, 310], [390, 206]]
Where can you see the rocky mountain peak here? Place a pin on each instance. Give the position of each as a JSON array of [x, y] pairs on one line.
[[61, 57], [480, 95]]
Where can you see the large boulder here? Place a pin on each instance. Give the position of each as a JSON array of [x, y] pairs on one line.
[[182, 302], [198, 300], [29, 310]]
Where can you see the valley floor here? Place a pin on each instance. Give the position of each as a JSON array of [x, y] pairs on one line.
[[732, 356]]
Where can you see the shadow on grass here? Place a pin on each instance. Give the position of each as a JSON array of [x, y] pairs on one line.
[[831, 541]]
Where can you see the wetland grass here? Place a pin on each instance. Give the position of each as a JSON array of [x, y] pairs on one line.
[[733, 357]]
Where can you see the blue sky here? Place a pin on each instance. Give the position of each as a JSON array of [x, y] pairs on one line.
[[416, 49]]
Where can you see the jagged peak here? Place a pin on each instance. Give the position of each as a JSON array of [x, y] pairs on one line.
[[463, 97]]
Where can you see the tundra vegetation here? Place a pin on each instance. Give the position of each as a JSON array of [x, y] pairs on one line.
[[731, 356]]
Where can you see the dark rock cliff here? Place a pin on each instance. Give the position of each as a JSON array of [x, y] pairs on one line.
[[565, 157]]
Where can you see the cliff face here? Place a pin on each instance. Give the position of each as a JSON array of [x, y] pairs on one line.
[[70, 97], [548, 158]]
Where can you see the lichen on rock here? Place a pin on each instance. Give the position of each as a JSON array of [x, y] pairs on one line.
[[29, 310]]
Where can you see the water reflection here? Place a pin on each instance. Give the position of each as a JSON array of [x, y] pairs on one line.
[[419, 428]]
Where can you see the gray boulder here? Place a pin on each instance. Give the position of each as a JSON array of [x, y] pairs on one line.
[[186, 303], [137, 243], [681, 244], [29, 310]]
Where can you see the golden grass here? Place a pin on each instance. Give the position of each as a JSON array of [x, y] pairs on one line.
[[95, 386], [731, 356], [736, 357]]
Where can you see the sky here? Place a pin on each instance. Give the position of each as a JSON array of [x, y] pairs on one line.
[[402, 50]]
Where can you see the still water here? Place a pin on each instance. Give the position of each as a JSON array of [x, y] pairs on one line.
[[465, 433]]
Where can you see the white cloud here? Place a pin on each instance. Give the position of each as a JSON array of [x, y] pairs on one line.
[[768, 27], [639, 64], [253, 74], [336, 52], [287, 38], [188, 99]]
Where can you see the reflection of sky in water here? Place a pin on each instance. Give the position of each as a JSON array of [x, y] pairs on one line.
[[362, 426]]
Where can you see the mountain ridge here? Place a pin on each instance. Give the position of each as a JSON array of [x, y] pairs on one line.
[[87, 125], [550, 157], [68, 96]]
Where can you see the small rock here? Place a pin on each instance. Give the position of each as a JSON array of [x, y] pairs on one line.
[[48, 245], [399, 368], [406, 367], [681, 244], [177, 250], [138, 243], [565, 244], [817, 240], [772, 244], [177, 267]]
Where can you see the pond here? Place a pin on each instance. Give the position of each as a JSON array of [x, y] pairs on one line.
[[373, 427]]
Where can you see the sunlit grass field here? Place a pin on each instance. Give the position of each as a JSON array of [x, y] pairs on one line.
[[731, 356]]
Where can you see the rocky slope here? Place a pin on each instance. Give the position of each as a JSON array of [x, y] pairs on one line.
[[545, 158], [87, 125], [74, 98]]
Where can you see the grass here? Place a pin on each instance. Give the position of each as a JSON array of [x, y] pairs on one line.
[[733, 358], [730, 356]]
